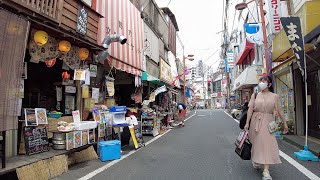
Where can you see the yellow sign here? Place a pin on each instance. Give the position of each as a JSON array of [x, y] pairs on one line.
[[110, 88], [85, 92], [165, 72]]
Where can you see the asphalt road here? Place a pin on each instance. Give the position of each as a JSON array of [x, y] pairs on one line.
[[203, 149]]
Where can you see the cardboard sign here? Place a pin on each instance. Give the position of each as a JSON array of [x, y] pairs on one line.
[[36, 140]]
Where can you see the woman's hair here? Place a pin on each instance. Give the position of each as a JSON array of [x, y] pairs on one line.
[[269, 80]]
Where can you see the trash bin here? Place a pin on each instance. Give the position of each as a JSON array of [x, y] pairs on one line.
[[110, 150]]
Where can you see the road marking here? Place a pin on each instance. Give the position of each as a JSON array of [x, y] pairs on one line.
[[301, 168], [293, 162], [201, 115], [107, 166], [231, 117]]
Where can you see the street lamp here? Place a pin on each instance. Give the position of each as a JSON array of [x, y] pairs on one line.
[[244, 5], [190, 58]]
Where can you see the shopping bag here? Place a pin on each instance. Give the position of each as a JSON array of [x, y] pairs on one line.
[[243, 146], [245, 150], [241, 138]]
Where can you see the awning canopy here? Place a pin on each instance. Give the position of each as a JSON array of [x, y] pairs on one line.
[[245, 50], [281, 48], [113, 62], [148, 77], [248, 78]]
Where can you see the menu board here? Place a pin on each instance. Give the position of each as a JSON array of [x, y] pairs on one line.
[[85, 137], [69, 140], [36, 140], [30, 117], [77, 139], [41, 116]]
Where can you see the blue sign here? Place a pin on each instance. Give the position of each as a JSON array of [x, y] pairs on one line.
[[227, 69], [188, 93]]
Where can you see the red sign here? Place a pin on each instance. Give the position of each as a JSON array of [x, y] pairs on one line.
[[275, 10]]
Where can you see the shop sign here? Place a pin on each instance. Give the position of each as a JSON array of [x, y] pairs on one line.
[[292, 27], [82, 20], [227, 69], [165, 72], [274, 15], [214, 95], [93, 70], [152, 41], [152, 69], [70, 89], [160, 90], [230, 58]]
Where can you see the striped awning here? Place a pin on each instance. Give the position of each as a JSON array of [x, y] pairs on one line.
[[124, 67], [122, 17]]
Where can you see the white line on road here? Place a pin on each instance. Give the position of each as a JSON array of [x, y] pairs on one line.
[[231, 117], [294, 163], [301, 168], [201, 115], [107, 166]]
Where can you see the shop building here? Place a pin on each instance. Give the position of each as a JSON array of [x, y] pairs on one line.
[[289, 81], [49, 46]]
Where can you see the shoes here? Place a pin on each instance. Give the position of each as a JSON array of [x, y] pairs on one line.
[[256, 166], [266, 175], [170, 127]]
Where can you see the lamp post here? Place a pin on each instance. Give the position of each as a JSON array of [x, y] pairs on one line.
[[244, 5], [190, 58]]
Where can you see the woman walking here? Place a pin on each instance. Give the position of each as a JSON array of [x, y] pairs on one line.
[[262, 111]]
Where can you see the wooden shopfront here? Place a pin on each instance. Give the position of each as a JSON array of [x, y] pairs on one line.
[[67, 42]]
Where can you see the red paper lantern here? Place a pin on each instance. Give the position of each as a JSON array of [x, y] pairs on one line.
[[51, 62], [65, 75]]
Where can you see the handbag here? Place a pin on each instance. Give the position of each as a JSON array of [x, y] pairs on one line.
[[243, 146], [243, 118], [245, 150], [273, 127]]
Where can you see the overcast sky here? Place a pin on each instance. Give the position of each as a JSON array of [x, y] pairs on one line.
[[199, 22]]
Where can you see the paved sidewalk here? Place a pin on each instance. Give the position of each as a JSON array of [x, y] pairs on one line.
[[299, 141]]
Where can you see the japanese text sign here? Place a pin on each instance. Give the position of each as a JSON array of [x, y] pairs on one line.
[[292, 27], [82, 20], [274, 15]]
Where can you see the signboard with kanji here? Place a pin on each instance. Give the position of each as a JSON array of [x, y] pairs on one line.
[[292, 27], [274, 15]]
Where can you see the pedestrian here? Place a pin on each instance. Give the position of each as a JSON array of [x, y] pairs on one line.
[[262, 110], [181, 113]]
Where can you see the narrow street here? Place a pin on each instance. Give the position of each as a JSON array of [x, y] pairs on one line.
[[203, 149]]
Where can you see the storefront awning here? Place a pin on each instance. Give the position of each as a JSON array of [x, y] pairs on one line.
[[281, 49], [247, 78], [245, 50], [124, 67], [148, 77]]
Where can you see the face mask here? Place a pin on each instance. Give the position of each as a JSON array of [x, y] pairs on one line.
[[263, 85]]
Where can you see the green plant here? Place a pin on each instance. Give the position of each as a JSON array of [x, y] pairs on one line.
[[290, 124]]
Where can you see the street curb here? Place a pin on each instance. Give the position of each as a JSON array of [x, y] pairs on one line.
[[299, 145]]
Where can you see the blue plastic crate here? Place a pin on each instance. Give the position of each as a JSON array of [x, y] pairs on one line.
[[118, 109], [110, 150]]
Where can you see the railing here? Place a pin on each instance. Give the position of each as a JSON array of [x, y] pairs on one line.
[[48, 8]]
